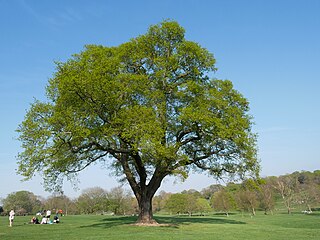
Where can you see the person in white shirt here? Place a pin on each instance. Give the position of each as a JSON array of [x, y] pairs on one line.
[[48, 214], [11, 217], [44, 220]]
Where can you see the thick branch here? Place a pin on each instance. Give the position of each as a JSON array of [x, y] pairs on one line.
[[156, 180], [130, 177], [191, 139], [140, 169], [182, 75], [138, 164], [183, 133]]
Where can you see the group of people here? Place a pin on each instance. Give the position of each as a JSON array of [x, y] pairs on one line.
[[46, 214], [45, 218]]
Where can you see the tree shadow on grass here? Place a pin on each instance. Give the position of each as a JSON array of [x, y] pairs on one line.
[[164, 221], [183, 220], [112, 222]]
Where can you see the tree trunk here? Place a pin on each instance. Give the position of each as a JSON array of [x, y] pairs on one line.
[[309, 208], [143, 192], [145, 211], [253, 212], [289, 210]]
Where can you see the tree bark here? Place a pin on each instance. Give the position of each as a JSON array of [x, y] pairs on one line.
[[145, 208], [144, 197]]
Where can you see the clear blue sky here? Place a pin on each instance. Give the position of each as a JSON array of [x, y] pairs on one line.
[[269, 49]]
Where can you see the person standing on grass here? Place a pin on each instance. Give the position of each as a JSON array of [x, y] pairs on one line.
[[11, 217]]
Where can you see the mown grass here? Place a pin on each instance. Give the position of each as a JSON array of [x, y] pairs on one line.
[[278, 226]]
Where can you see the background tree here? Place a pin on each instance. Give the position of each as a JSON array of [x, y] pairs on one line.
[[208, 192], [159, 201], [233, 187], [177, 203], [247, 201], [308, 195], [120, 201], [286, 186], [193, 192], [203, 206], [307, 190], [247, 196], [93, 200], [23, 202], [58, 202], [134, 208], [148, 108], [316, 177], [223, 201], [191, 204], [266, 196]]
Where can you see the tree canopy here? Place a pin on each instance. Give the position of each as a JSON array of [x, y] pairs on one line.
[[147, 108], [23, 202]]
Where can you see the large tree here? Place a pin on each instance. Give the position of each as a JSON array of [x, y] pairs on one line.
[[148, 108]]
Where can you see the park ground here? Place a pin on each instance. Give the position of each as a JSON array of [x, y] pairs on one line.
[[219, 227]]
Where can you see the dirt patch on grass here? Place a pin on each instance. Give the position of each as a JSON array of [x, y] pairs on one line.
[[153, 225]]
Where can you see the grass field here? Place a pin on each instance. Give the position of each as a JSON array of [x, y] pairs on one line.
[[278, 226]]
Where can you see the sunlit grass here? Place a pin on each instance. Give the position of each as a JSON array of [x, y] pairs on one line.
[[278, 226]]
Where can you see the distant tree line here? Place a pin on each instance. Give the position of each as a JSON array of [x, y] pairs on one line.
[[93, 200], [291, 192]]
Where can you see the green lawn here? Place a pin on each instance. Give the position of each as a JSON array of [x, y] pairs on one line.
[[278, 226]]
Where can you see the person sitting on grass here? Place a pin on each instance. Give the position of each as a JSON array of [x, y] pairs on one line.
[[56, 219], [34, 220], [44, 220]]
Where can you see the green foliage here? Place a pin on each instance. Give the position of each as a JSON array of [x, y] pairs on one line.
[[251, 185], [147, 107], [61, 202], [266, 196], [120, 201], [209, 191], [97, 200], [223, 201], [159, 201], [233, 187], [148, 97], [298, 188], [203, 206], [181, 203], [177, 203], [247, 200], [92, 200], [23, 202]]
